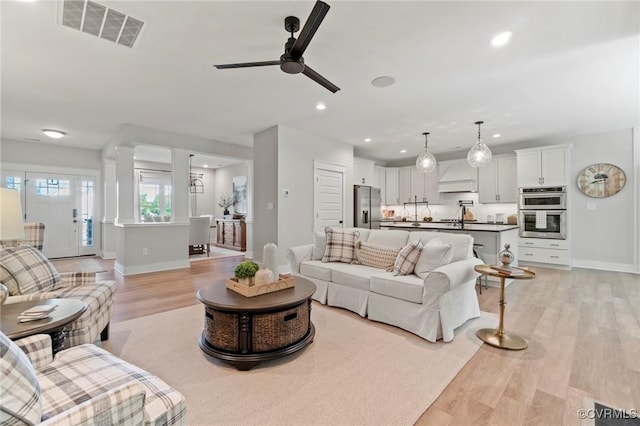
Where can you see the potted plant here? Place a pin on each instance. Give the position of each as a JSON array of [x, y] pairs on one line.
[[226, 201], [245, 271]]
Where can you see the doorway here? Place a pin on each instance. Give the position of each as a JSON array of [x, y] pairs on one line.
[[328, 199]]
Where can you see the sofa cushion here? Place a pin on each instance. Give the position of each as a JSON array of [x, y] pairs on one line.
[[20, 394], [25, 270], [407, 258], [462, 243], [340, 245], [355, 276], [375, 256], [319, 245], [434, 254], [316, 269], [393, 238], [403, 287]]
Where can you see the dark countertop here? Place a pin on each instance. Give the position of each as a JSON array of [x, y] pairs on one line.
[[475, 226]]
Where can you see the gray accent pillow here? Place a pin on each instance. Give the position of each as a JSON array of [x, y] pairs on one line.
[[25, 270]]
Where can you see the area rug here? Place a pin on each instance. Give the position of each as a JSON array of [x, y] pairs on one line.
[[355, 372]]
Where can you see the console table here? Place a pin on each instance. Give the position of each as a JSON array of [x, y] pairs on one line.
[[231, 234]]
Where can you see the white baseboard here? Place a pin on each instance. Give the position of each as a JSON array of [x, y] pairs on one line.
[[606, 266], [151, 267], [108, 255]]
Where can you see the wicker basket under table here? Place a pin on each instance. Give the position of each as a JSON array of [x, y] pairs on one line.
[[245, 331]]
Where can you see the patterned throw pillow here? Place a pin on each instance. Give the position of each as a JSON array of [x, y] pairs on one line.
[[434, 254], [407, 258], [25, 270], [20, 395], [341, 245], [376, 256]]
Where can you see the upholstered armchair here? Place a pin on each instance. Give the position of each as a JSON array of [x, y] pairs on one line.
[[82, 385], [29, 275]]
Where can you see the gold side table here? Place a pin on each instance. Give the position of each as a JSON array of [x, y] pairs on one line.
[[499, 337]]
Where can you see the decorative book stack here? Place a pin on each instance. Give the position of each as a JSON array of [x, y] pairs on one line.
[[36, 313], [508, 270]]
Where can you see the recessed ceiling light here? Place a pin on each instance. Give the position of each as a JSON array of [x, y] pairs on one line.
[[55, 134], [206, 166], [383, 81], [501, 39], [402, 151], [321, 106], [497, 135], [367, 139]]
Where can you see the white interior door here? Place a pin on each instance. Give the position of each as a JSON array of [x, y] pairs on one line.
[[52, 199], [328, 196]]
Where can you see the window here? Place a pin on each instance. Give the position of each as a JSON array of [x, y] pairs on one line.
[[86, 211], [14, 182], [154, 194], [52, 188]]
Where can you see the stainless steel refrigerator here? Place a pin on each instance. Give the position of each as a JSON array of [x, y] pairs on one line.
[[366, 203]]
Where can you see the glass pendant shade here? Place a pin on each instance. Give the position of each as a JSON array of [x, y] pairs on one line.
[[425, 162], [479, 155]]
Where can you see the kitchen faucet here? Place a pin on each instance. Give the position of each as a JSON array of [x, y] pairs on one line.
[[464, 211]]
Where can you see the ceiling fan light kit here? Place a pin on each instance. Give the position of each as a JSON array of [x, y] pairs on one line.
[[426, 162], [54, 134], [291, 61], [479, 155]]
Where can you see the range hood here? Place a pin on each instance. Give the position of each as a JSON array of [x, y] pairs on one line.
[[457, 176]]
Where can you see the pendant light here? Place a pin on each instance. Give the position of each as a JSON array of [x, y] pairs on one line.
[[426, 162], [479, 155]]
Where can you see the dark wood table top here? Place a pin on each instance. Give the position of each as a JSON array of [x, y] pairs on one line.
[[68, 310], [218, 296]]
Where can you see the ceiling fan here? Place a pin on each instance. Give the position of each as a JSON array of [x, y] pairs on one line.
[[291, 60]]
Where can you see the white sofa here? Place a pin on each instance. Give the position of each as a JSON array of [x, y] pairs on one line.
[[432, 307]]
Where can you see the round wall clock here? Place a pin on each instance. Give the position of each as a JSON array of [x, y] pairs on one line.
[[601, 180]]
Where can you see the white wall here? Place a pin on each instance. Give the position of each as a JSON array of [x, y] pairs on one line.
[[604, 237], [265, 194], [204, 203], [51, 155], [224, 184], [290, 223]]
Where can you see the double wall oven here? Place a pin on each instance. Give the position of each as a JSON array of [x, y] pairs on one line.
[[543, 212]]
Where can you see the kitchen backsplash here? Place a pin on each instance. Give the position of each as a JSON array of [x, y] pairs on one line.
[[449, 208]]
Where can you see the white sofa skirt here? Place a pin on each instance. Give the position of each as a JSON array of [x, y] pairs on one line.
[[430, 321], [353, 299]]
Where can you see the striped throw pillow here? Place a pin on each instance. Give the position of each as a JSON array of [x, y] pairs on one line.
[[376, 256], [25, 270], [407, 258], [341, 245]]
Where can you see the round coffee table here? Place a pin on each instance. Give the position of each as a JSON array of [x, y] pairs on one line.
[[68, 310], [499, 337], [245, 331]]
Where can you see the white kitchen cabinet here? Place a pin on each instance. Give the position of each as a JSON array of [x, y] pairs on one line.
[[379, 180], [543, 250], [391, 186], [362, 171], [405, 193], [425, 186], [497, 182], [545, 166]]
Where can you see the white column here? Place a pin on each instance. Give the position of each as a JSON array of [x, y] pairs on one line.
[[109, 192], [180, 185], [125, 179]]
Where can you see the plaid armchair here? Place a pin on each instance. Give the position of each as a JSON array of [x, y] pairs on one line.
[[82, 385], [33, 236], [30, 276]]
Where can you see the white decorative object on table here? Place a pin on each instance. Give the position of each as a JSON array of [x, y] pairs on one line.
[[264, 276], [269, 259]]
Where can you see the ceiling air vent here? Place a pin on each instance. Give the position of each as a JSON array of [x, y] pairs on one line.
[[93, 18]]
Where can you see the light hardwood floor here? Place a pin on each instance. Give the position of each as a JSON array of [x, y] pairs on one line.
[[583, 329]]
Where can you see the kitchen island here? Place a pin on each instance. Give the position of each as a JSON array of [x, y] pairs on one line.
[[490, 236]]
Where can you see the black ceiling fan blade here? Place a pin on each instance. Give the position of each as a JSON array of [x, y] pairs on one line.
[[310, 27], [247, 64], [313, 75]]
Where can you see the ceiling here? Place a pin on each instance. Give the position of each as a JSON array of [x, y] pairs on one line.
[[571, 68]]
